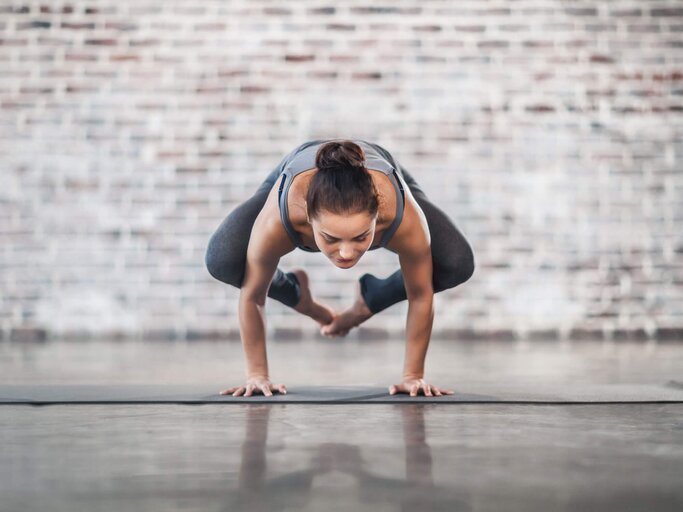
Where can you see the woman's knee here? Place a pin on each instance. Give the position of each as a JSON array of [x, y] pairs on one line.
[[226, 251], [458, 270], [222, 264]]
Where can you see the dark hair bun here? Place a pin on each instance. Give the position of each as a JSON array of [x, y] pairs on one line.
[[338, 188], [340, 155]]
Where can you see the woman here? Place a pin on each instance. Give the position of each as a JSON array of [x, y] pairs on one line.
[[341, 198]]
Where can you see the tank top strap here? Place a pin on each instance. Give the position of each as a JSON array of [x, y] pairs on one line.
[[398, 183]]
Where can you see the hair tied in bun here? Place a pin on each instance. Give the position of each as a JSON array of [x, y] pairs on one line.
[[337, 187]]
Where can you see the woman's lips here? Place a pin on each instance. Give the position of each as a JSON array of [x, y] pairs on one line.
[[343, 261]]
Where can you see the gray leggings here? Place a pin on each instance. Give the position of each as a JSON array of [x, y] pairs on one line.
[[452, 256]]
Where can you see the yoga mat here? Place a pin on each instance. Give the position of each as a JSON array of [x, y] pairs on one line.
[[208, 394]]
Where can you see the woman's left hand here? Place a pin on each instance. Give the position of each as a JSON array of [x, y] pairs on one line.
[[414, 386]]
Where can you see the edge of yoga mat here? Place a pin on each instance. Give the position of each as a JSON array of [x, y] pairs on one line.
[[44, 394]]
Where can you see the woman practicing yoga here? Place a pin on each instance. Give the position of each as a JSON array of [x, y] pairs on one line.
[[342, 198]]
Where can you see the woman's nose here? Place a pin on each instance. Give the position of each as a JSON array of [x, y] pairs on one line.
[[345, 252]]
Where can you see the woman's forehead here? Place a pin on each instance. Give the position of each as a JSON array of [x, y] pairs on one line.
[[345, 225]]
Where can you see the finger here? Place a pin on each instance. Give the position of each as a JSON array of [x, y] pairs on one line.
[[392, 390], [428, 390], [238, 392], [448, 392], [437, 391], [413, 390], [266, 390], [282, 389], [250, 390], [228, 391]]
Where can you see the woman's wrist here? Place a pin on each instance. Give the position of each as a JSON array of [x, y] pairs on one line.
[[257, 375]]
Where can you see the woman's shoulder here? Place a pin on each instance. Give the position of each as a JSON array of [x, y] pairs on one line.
[[413, 231], [269, 224]]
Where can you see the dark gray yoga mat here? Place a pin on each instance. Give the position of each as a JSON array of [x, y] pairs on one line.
[[67, 394], [44, 394]]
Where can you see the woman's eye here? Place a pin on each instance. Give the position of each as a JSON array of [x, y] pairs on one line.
[[334, 241]]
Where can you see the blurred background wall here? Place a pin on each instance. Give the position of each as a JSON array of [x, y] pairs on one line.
[[550, 131]]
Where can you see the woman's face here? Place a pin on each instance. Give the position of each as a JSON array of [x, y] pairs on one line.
[[343, 237]]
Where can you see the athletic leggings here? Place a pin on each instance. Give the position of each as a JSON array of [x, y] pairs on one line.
[[452, 256]]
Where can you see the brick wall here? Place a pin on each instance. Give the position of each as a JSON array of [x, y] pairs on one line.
[[550, 132]]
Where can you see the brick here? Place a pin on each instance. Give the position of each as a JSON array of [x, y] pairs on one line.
[[581, 11], [28, 334], [11, 9], [470, 28], [633, 12], [300, 58], [385, 10], [160, 335], [100, 42], [372, 333], [477, 334], [232, 335], [366, 76], [277, 11], [33, 24], [539, 109], [666, 11], [427, 28], [123, 26], [340, 26], [642, 28], [543, 335], [669, 334], [288, 334], [322, 10], [71, 25], [630, 335], [59, 9], [581, 334], [601, 59]]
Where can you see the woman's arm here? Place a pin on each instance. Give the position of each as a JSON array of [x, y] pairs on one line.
[[260, 267], [266, 246], [415, 259], [413, 245]]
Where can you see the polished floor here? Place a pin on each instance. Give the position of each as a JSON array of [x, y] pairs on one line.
[[625, 455]]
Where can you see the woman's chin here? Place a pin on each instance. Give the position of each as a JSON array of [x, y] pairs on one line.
[[344, 264]]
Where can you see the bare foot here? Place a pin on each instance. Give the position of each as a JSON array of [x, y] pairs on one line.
[[349, 318], [307, 305]]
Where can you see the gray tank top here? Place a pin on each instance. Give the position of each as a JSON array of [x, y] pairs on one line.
[[303, 158]]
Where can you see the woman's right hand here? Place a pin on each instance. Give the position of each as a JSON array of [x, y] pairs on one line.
[[256, 385]]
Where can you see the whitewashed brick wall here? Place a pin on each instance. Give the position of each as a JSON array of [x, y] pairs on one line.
[[550, 131]]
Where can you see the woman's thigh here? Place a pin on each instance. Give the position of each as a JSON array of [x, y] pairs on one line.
[[452, 255], [226, 252]]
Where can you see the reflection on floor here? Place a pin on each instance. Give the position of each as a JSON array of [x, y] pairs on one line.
[[350, 456]]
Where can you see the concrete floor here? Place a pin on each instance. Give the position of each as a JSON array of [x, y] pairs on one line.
[[355, 457]]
